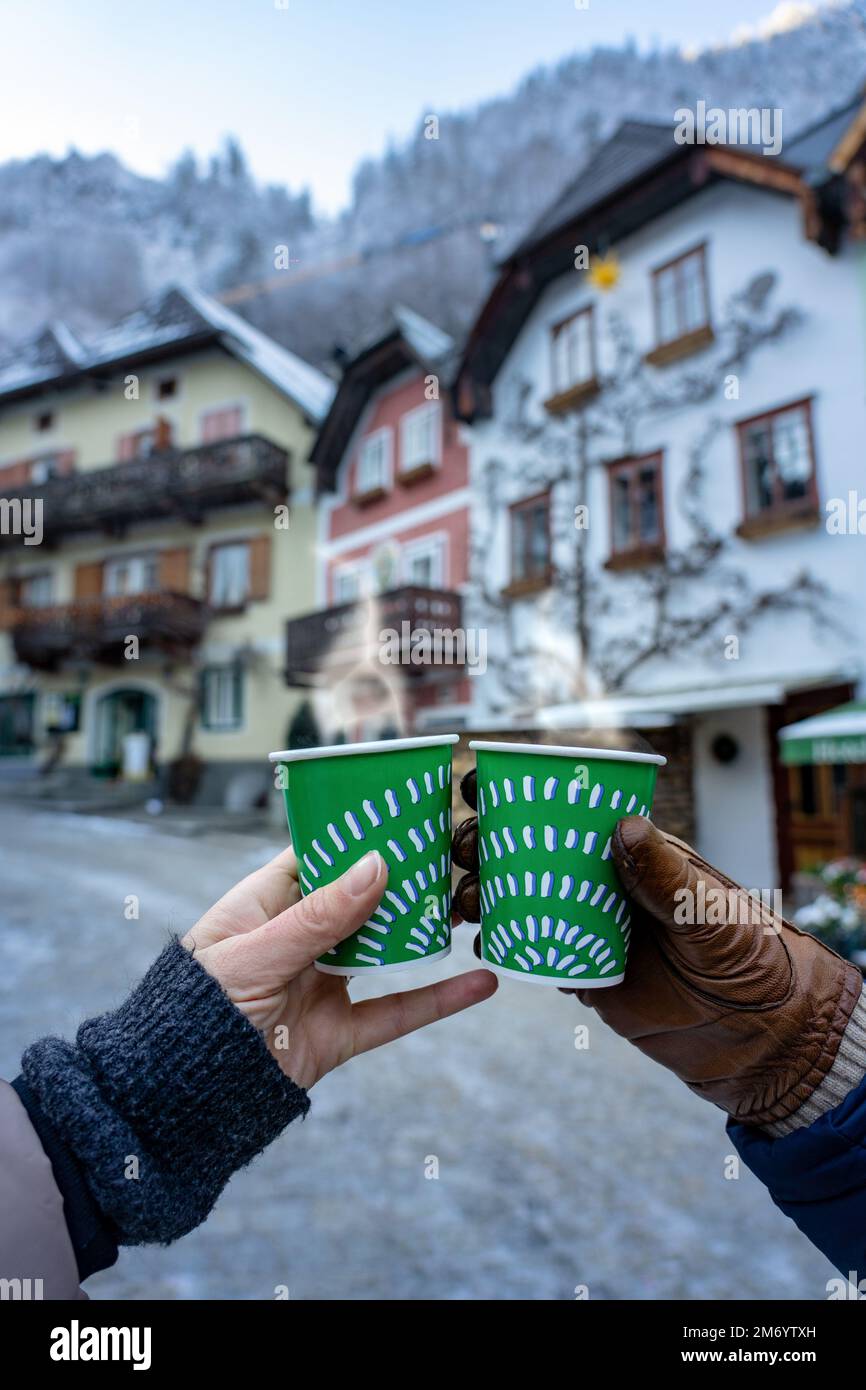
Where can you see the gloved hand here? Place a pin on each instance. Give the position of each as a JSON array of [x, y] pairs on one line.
[[747, 1010]]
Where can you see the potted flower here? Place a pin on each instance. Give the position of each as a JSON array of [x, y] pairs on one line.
[[838, 914]]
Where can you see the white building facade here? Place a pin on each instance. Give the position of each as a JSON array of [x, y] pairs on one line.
[[667, 459]]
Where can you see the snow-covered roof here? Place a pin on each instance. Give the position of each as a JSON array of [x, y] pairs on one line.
[[425, 339], [72, 347], [180, 317], [633, 149], [305, 385], [405, 340], [813, 147], [50, 356], [636, 146]]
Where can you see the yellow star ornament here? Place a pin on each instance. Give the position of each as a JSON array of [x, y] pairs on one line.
[[604, 272]]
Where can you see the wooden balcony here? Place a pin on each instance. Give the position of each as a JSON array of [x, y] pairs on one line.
[[179, 483], [349, 633], [97, 629]]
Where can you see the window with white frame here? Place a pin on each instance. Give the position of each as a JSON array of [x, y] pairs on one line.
[[374, 462], [574, 351], [230, 575], [420, 437], [222, 697], [424, 562], [347, 584], [36, 590], [681, 296], [130, 574], [45, 467]]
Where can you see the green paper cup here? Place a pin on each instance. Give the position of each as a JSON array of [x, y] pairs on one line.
[[552, 908], [394, 797]]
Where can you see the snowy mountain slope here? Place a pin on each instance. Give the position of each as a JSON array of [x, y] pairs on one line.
[[85, 239]]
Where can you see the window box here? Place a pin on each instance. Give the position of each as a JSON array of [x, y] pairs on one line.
[[530, 584], [407, 476], [641, 557], [791, 519], [686, 346], [572, 399], [366, 499]]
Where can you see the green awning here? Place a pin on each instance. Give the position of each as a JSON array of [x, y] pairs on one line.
[[839, 736]]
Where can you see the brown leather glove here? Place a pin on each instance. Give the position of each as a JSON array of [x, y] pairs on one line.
[[748, 1012]]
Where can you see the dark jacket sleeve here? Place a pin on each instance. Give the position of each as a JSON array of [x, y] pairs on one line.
[[147, 1115], [817, 1176]]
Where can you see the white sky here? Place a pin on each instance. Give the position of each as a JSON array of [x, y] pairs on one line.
[[308, 86]]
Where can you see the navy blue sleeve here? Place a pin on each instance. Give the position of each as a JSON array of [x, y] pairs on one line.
[[817, 1176]]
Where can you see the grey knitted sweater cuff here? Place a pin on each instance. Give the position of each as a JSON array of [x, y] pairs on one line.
[[163, 1099], [847, 1071]]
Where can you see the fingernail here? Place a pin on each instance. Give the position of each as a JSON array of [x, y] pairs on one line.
[[363, 874]]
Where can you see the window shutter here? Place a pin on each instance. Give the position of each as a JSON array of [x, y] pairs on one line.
[[162, 435], [202, 697], [221, 423], [260, 567], [88, 580], [14, 475], [8, 602], [208, 575], [238, 695], [174, 570]]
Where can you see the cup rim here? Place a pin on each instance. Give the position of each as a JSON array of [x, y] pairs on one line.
[[615, 755], [344, 750]]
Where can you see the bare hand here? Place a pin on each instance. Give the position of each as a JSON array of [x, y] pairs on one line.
[[260, 941]]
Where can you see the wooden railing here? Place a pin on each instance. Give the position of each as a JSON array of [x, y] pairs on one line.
[[184, 483], [98, 629], [351, 632]]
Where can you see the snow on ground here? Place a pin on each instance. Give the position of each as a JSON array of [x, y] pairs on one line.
[[557, 1167]]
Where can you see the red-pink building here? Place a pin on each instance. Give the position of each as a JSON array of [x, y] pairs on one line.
[[392, 553]]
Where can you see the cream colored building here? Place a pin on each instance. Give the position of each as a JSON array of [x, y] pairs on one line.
[[176, 538]]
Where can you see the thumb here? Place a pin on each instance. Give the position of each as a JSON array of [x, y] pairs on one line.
[[713, 928], [283, 947]]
